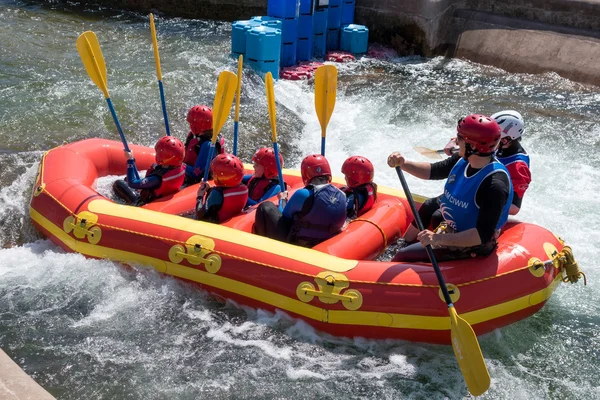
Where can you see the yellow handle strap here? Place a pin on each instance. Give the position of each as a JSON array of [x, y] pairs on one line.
[[385, 244]]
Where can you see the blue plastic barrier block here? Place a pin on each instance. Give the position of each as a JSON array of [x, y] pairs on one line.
[[354, 38], [306, 7], [304, 48], [348, 12], [271, 22], [289, 30], [320, 21], [334, 19], [305, 26], [263, 43], [262, 67], [335, 3], [238, 35], [288, 54], [319, 45], [283, 8], [333, 39]]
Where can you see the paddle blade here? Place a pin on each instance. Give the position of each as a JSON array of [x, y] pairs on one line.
[[325, 93], [468, 354], [93, 61], [239, 88], [155, 46], [429, 153], [223, 101], [271, 104]]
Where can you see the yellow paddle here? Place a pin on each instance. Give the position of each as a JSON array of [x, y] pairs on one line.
[[433, 154], [159, 75], [237, 104], [271, 104], [221, 107], [93, 61], [464, 342], [325, 92], [429, 153]]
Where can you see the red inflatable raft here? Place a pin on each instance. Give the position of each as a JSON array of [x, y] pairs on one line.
[[337, 287]]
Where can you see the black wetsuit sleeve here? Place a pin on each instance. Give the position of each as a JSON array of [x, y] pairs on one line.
[[517, 200], [491, 198], [441, 169]]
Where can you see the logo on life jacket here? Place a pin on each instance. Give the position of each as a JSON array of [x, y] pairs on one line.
[[451, 178], [454, 200], [333, 199]]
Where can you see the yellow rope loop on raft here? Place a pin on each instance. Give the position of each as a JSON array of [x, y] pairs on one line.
[[567, 263], [385, 243]]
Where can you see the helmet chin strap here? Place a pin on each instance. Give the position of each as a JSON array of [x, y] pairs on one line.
[[470, 152]]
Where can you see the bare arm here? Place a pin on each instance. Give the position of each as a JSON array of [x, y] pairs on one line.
[[419, 169]]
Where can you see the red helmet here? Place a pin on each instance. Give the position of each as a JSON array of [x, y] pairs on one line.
[[266, 158], [200, 119], [169, 151], [227, 170], [313, 166], [358, 171], [480, 132]]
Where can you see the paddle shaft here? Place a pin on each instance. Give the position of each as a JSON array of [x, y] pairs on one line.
[[125, 146], [211, 151], [279, 171], [235, 136], [114, 115], [164, 107], [429, 249]]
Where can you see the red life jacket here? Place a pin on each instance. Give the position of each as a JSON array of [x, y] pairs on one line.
[[257, 187], [193, 144], [171, 180], [368, 190], [234, 201]]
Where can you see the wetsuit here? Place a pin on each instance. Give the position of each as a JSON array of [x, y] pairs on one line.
[[221, 203], [491, 196], [360, 199], [260, 189], [196, 154], [516, 160], [312, 215], [158, 182]]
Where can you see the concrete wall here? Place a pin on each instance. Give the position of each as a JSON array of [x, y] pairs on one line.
[[15, 384], [530, 36]]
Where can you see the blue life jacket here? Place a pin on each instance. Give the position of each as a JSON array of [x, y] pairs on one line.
[[322, 216], [515, 157], [458, 205]]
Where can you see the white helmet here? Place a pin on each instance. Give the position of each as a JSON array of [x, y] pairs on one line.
[[511, 123]]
